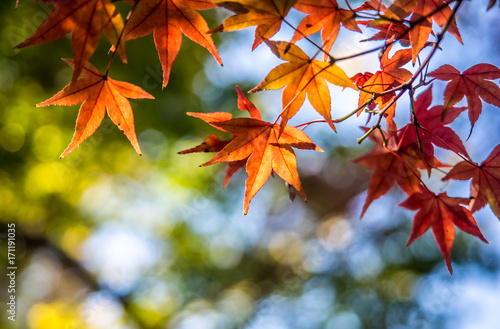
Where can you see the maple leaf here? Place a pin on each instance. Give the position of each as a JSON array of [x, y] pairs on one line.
[[268, 15], [212, 143], [473, 84], [300, 76], [359, 80], [389, 26], [324, 15], [388, 30], [266, 152], [422, 13], [393, 164], [485, 184], [391, 75], [98, 93], [434, 130], [169, 19], [441, 213], [375, 5], [87, 19], [258, 145]]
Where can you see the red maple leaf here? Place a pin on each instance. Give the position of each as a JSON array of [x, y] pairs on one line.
[[169, 19], [359, 80], [87, 19], [99, 93], [491, 4], [441, 213], [485, 184], [393, 164], [431, 130], [473, 84]]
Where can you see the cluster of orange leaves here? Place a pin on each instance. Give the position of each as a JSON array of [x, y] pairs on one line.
[[264, 148]]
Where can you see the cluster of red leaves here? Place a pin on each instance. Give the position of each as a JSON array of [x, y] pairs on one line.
[[264, 148]]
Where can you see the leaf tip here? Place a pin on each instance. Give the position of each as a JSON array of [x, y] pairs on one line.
[[448, 265], [482, 238]]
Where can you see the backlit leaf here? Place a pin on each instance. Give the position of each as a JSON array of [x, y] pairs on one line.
[[300, 76], [441, 213], [87, 19], [169, 19], [99, 94]]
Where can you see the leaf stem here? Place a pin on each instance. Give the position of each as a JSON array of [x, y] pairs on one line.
[[311, 122], [402, 35], [120, 38], [448, 145], [320, 49]]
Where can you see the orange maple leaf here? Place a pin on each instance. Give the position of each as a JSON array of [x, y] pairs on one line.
[[388, 30], [87, 19], [375, 5], [258, 145], [472, 83], [213, 143], [485, 184], [441, 213], [302, 75], [266, 152], [325, 16], [390, 75], [98, 93], [169, 19], [268, 15], [422, 13], [388, 27]]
